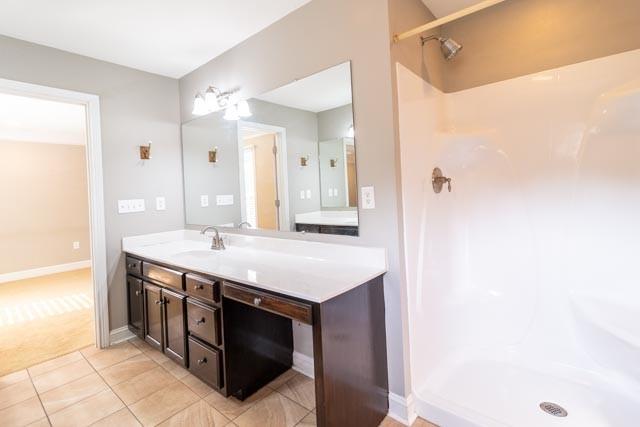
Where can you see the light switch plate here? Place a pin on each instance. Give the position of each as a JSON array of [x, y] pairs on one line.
[[76, 245], [302, 194], [204, 201], [131, 206], [308, 194], [368, 197], [161, 204], [224, 199], [137, 205]]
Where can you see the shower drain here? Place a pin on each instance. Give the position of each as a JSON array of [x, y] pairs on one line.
[[553, 409]]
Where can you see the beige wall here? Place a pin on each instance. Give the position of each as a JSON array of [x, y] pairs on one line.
[[321, 34], [43, 188], [134, 107], [521, 37]]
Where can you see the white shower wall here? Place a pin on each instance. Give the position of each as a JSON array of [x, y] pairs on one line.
[[523, 282]]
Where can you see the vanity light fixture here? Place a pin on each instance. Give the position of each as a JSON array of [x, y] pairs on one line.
[[199, 106], [351, 132], [304, 160], [333, 162], [211, 98], [145, 151], [243, 109], [213, 155]]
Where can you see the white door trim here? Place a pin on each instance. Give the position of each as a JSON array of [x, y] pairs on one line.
[[96, 194], [282, 172]]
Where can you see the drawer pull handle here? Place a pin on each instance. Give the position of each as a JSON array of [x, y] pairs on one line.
[[160, 302], [201, 361], [198, 287], [199, 322], [137, 293], [257, 301]]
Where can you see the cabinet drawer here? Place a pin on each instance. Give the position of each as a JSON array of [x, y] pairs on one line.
[[200, 287], [163, 275], [204, 363], [285, 307], [134, 266], [203, 321]]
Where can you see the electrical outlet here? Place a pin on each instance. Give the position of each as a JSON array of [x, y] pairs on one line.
[[302, 194], [76, 245], [161, 204], [308, 194], [368, 197], [204, 201]]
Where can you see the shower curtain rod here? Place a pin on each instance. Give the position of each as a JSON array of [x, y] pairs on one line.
[[446, 19]]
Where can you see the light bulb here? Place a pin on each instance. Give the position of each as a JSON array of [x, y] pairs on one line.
[[243, 109], [211, 99], [351, 132], [231, 113], [199, 106]]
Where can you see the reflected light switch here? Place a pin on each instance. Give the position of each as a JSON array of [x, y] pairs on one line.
[[204, 201]]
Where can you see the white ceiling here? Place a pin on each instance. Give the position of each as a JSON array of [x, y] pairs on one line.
[[442, 8], [322, 91], [39, 120], [166, 37]]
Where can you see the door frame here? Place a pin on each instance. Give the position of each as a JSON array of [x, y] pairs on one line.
[[95, 187], [281, 172]]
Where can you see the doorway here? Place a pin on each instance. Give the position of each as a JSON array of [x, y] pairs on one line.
[[263, 180], [53, 282]]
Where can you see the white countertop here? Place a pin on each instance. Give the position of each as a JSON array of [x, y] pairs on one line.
[[343, 218], [311, 271]]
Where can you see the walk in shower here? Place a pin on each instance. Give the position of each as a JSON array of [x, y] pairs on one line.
[[524, 280]]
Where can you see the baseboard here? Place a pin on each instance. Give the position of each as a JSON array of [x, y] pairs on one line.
[[303, 364], [402, 409], [43, 271], [119, 335]]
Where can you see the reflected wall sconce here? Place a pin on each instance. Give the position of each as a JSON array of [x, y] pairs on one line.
[[333, 162], [304, 160], [351, 132], [214, 100], [145, 151], [213, 155]]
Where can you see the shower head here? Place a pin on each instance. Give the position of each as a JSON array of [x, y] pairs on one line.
[[448, 46]]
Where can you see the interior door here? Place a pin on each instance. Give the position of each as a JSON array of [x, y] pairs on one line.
[[136, 306], [153, 315], [175, 325]]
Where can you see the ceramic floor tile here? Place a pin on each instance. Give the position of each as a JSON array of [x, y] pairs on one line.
[[13, 378], [199, 414], [232, 407], [121, 418], [23, 413], [42, 422], [141, 386], [16, 393], [52, 364], [101, 359], [155, 355], [197, 386], [73, 392], [308, 421], [163, 404], [62, 375], [88, 411], [127, 369], [278, 382], [300, 389], [422, 423], [390, 422], [174, 369], [274, 410]]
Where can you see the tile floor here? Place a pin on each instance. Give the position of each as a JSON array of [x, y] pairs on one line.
[[130, 384]]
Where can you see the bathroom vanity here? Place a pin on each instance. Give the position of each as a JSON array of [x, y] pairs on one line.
[[227, 315]]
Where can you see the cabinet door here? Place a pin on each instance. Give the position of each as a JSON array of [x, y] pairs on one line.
[[153, 315], [175, 325], [135, 306]]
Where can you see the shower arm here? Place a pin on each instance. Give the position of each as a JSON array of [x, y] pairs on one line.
[[423, 40]]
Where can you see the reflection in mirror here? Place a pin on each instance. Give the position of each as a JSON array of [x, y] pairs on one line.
[[290, 166]]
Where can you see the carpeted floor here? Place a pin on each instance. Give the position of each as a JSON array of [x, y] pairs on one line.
[[44, 317]]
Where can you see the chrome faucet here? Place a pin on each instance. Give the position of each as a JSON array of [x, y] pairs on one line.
[[247, 223], [216, 244]]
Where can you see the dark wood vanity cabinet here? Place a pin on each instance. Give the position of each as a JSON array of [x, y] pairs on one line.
[[175, 335], [153, 316], [135, 307]]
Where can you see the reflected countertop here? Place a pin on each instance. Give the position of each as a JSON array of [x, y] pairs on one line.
[[341, 218]]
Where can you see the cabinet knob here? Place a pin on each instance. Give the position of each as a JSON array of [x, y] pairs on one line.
[[131, 265], [198, 287], [137, 293], [159, 302], [198, 322], [201, 361], [257, 301]]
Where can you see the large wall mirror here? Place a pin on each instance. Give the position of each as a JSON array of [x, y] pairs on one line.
[[288, 164]]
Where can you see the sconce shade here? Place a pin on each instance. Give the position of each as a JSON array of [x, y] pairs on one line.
[[231, 113], [199, 106], [304, 160], [351, 132], [213, 155], [243, 109], [211, 99]]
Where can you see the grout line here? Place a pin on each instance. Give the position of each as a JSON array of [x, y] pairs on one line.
[[39, 399], [302, 419]]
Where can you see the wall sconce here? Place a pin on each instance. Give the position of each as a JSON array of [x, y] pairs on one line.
[[213, 155], [304, 160], [214, 100], [351, 132], [333, 162], [145, 151]]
